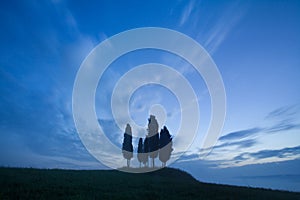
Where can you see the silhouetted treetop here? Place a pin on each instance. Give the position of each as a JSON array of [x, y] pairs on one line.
[[127, 148], [152, 126]]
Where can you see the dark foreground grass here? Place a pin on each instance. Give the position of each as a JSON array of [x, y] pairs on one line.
[[168, 183]]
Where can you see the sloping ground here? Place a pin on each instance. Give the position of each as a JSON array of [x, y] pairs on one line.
[[168, 183]]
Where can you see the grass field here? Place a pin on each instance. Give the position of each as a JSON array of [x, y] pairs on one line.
[[168, 183]]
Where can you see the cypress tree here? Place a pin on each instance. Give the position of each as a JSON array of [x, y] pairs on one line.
[[153, 138], [165, 145], [127, 148], [140, 151]]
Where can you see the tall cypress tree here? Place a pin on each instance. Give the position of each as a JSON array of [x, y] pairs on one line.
[[165, 145], [146, 151], [140, 151], [153, 138], [127, 148]]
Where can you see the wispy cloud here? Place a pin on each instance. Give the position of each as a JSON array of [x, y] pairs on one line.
[[237, 148], [222, 28], [218, 149], [244, 159], [290, 152], [282, 126], [239, 144], [285, 111], [240, 134], [187, 12], [212, 33], [188, 158], [35, 100], [278, 127], [285, 120]]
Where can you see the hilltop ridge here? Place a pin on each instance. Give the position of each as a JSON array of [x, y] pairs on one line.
[[167, 183]]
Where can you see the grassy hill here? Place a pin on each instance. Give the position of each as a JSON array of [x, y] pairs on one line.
[[168, 183]]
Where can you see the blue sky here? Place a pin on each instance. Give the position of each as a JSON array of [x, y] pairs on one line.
[[255, 45]]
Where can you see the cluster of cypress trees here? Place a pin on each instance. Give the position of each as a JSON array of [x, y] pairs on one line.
[[155, 144]]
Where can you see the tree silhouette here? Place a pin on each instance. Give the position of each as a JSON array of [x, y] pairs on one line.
[[153, 138], [154, 144], [146, 151], [165, 145], [140, 151], [127, 148]]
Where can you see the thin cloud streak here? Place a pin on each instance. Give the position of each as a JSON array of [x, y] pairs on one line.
[[240, 134], [289, 152], [187, 12], [286, 115]]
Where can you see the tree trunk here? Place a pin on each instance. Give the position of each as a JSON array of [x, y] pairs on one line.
[[153, 163], [128, 163]]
